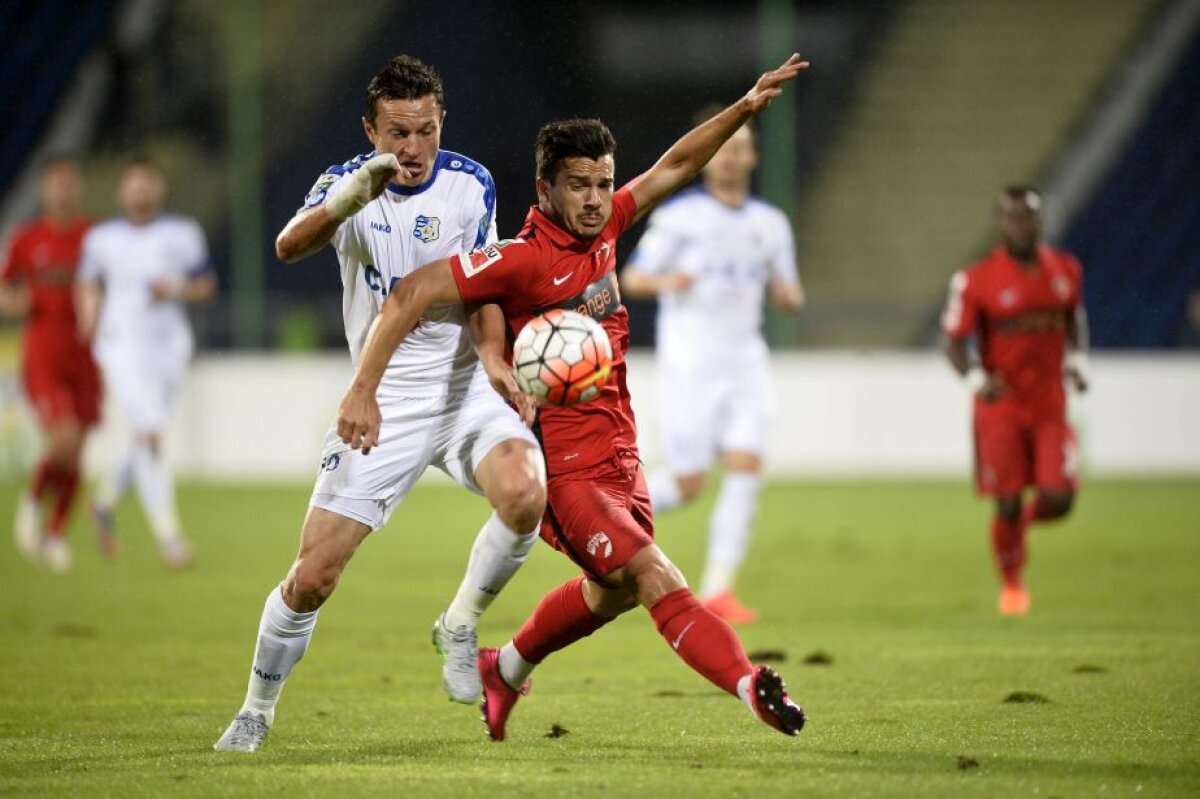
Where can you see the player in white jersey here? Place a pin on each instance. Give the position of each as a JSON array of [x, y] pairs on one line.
[[387, 214], [138, 273], [708, 256]]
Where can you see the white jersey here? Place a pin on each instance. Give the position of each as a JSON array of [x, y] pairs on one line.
[[392, 236], [731, 253], [128, 259]]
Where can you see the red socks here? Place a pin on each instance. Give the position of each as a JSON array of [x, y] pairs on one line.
[[701, 639], [560, 619], [1008, 545], [63, 485]]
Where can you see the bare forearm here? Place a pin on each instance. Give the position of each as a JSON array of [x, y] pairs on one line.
[[487, 327], [199, 289], [1077, 330], [305, 233], [639, 285], [956, 353]]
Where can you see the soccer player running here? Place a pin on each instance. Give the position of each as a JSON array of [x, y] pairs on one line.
[[598, 509], [709, 255], [139, 273], [387, 213], [60, 377], [1023, 306]]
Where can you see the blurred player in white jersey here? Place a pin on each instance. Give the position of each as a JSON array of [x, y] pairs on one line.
[[386, 214], [138, 273], [708, 255]]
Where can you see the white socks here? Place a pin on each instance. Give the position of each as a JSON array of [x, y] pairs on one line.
[[283, 635], [664, 491], [729, 532], [156, 488], [497, 554], [514, 669]]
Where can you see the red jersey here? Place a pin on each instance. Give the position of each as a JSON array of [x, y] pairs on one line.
[[1019, 316], [547, 267], [44, 257]]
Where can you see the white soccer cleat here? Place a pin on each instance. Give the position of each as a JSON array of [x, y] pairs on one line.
[[246, 733], [56, 554], [460, 667], [178, 555], [27, 530]]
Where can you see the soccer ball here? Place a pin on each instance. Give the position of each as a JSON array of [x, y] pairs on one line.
[[562, 358]]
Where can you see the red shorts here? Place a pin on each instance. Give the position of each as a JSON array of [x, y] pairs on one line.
[[63, 384], [600, 516], [1011, 454]]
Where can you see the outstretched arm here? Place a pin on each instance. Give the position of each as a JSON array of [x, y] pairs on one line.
[[311, 229], [1077, 349], [688, 156], [358, 417]]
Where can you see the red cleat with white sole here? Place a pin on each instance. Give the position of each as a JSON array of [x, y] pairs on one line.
[[498, 696], [771, 704]]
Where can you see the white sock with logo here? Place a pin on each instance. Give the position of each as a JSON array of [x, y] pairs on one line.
[[283, 636], [497, 554], [664, 491], [729, 531]]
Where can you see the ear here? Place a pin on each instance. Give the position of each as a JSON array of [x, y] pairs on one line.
[[543, 190], [369, 129]]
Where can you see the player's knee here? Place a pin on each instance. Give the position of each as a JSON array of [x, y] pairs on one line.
[[690, 487], [1055, 504], [652, 578], [1009, 509], [309, 584], [520, 502]]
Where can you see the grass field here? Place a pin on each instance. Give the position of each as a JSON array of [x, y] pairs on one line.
[[118, 677]]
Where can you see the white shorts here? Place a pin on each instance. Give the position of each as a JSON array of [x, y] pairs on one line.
[[453, 433], [145, 391], [711, 408]]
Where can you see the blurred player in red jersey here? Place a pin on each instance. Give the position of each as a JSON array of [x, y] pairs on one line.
[[59, 375], [598, 509], [1023, 306]]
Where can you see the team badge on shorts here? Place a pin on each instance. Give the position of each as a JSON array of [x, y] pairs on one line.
[[599, 542], [428, 228]]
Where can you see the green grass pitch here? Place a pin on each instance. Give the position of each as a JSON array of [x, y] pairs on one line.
[[118, 677]]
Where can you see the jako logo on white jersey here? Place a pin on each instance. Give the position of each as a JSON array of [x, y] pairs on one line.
[[428, 228], [381, 227]]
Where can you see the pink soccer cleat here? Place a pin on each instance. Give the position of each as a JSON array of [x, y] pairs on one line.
[[498, 696], [771, 704]]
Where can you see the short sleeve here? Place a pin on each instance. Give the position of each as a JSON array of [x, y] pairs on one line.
[[15, 261], [483, 220], [197, 260], [783, 251], [491, 272], [960, 317]]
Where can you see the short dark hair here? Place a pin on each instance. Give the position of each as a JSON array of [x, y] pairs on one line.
[[571, 138], [141, 161], [1022, 192], [404, 78]]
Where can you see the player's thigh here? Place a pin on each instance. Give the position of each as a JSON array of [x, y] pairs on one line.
[[486, 448], [591, 519], [687, 413], [369, 488], [1003, 455], [143, 394], [1056, 456]]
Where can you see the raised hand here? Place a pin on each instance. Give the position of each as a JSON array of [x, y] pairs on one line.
[[769, 86]]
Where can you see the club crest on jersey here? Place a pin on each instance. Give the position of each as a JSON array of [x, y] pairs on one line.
[[428, 228], [599, 543], [316, 195]]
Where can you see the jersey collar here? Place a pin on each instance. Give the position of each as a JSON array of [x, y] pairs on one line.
[[409, 191]]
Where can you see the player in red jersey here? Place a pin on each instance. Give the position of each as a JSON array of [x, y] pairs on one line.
[[1022, 304], [598, 509], [59, 375]]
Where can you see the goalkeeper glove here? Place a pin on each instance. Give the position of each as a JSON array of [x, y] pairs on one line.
[[363, 186]]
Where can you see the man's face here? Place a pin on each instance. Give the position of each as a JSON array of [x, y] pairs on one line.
[[411, 130], [141, 191], [580, 198], [732, 164], [1019, 222], [62, 185]]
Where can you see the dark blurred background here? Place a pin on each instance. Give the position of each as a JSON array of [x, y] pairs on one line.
[[887, 153]]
